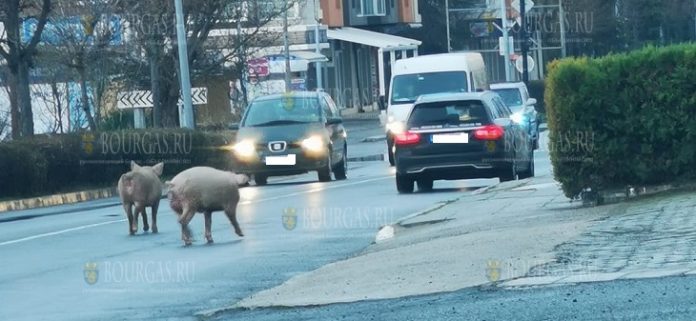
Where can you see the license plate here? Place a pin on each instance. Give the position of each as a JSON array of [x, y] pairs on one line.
[[281, 160], [460, 138]]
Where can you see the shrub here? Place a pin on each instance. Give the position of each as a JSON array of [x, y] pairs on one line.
[[626, 119], [50, 164]]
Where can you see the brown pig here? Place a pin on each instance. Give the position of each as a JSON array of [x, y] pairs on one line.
[[141, 187], [204, 190]]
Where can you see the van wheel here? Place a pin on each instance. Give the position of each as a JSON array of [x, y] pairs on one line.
[[341, 170], [324, 174], [425, 185], [390, 151]]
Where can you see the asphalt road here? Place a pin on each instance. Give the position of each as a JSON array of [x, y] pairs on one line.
[[49, 254], [640, 300]]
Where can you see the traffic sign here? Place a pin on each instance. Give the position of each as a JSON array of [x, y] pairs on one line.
[[528, 5], [143, 98]]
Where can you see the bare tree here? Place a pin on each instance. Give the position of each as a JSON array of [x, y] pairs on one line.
[[20, 56]]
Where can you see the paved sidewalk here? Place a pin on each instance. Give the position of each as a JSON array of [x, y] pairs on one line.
[[461, 244], [515, 234]]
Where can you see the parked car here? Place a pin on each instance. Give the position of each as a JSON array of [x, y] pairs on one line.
[[516, 96], [288, 134], [461, 136], [430, 74]]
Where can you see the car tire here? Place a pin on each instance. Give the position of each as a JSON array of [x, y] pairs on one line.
[[530, 171], [390, 152], [324, 174], [425, 184], [260, 180], [404, 184], [508, 173], [341, 169]]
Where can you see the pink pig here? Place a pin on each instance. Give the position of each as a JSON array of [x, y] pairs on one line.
[[204, 190], [141, 187]]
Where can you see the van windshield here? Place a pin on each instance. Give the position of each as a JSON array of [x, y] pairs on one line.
[[407, 88]]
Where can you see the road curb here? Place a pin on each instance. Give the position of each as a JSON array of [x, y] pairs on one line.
[[57, 199]]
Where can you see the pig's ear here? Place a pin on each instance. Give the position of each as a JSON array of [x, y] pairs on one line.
[[134, 166], [158, 169]]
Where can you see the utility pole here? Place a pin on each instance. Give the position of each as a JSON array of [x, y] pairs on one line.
[[447, 21], [187, 121], [287, 48], [317, 39], [523, 38], [506, 41], [561, 15]]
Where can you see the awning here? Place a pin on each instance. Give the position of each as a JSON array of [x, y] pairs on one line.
[[309, 56], [383, 41]]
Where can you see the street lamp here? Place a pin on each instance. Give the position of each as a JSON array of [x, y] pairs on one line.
[[187, 121], [317, 40]]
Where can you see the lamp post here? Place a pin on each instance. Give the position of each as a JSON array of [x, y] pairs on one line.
[[286, 45], [187, 121], [317, 40]]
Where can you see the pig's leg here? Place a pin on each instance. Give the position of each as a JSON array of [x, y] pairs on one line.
[[232, 215], [140, 211], [155, 207], [208, 222], [129, 213], [143, 212], [184, 220]]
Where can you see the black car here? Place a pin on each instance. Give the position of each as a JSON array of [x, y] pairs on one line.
[[293, 133], [461, 136]]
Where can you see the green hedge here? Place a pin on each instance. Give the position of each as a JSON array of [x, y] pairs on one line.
[[627, 119], [50, 164]]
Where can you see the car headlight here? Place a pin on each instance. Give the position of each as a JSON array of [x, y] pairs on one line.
[[245, 148], [518, 118], [313, 144]]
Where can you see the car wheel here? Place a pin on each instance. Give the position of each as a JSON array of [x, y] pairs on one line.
[[341, 170], [324, 174], [530, 171], [425, 185], [390, 152], [404, 184], [509, 172], [260, 180]]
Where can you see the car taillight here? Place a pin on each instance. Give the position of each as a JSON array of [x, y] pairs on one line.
[[406, 138], [489, 132]]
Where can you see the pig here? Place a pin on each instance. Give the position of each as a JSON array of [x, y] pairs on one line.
[[141, 187], [204, 190]]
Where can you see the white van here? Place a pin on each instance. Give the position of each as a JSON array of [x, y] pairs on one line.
[[430, 74]]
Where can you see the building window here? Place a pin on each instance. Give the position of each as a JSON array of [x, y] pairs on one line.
[[373, 8]]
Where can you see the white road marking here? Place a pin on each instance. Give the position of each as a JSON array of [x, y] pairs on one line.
[[313, 190], [38, 236]]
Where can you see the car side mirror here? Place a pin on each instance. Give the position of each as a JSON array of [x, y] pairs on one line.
[[334, 121], [503, 122], [234, 126], [531, 101], [382, 103]]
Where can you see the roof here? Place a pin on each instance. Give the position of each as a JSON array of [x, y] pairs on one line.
[[373, 39], [432, 98], [439, 62], [508, 85]]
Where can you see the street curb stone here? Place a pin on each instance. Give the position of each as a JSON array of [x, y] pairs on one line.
[[57, 199]]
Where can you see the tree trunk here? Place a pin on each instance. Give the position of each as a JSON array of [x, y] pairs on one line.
[[85, 101], [170, 87], [59, 108], [153, 57], [14, 107], [24, 98]]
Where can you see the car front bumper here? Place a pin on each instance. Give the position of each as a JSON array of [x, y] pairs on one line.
[[304, 162]]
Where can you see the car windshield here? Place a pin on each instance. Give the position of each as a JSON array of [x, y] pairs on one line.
[[511, 96], [284, 110], [407, 88], [448, 114]]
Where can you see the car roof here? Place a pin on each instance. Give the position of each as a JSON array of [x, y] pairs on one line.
[[431, 98], [508, 85], [292, 94]]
